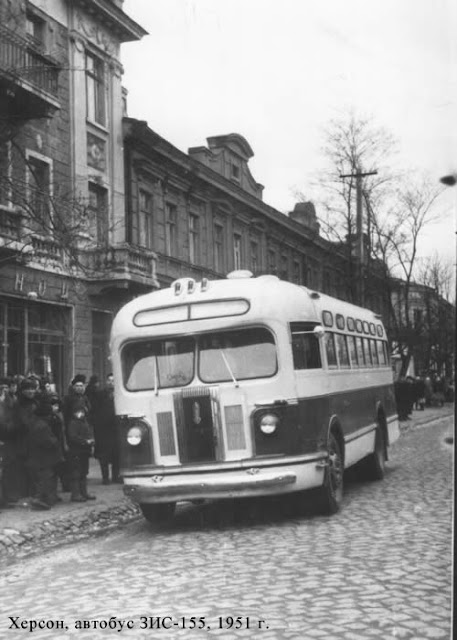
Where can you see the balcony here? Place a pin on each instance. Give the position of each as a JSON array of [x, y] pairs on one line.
[[120, 267], [28, 78], [12, 244]]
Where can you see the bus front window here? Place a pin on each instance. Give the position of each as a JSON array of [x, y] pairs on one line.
[[237, 355], [158, 364]]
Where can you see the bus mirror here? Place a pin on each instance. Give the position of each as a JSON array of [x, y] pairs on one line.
[[319, 331]]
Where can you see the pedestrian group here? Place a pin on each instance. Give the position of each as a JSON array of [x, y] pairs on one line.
[[47, 441]]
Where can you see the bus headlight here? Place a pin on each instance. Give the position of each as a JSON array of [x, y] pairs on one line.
[[269, 424], [134, 436]]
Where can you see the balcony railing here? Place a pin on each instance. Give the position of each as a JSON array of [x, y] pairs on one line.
[[22, 62], [120, 264]]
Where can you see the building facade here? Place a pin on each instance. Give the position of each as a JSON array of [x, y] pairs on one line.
[[65, 262], [203, 215]]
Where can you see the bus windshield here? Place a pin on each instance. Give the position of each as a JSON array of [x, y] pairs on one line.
[[223, 357], [237, 355]]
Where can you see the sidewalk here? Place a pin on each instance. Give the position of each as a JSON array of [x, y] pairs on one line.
[[24, 531]]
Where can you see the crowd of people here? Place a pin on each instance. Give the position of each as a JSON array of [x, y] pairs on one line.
[[48, 440], [420, 392]]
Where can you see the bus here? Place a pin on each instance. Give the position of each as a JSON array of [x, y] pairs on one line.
[[248, 386]]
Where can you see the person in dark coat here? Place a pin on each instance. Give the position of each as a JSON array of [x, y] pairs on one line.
[[103, 417], [80, 442], [44, 455], [62, 468], [75, 399], [17, 483]]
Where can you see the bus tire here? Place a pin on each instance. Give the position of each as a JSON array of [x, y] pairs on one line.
[[159, 513], [331, 492], [374, 465]]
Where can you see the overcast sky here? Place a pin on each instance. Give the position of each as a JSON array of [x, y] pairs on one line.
[[276, 72]]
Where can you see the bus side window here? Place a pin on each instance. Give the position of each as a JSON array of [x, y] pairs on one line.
[[353, 351], [366, 350], [374, 353], [360, 352], [330, 350], [343, 355], [305, 351], [381, 352]]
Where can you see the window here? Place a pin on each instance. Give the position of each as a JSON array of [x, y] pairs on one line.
[[239, 355], [271, 262], [236, 251], [39, 193], [219, 261], [95, 89], [330, 350], [366, 351], [305, 346], [374, 352], [296, 272], [145, 219], [235, 172], [343, 355], [284, 268], [170, 214], [98, 212], [381, 352], [158, 363], [5, 172], [360, 352], [193, 238], [35, 29], [254, 257], [352, 350]]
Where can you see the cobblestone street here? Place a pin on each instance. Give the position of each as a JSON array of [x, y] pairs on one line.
[[381, 568]]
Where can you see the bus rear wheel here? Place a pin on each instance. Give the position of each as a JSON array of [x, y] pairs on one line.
[[331, 492], [159, 513]]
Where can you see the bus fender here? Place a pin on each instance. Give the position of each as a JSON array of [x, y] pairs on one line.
[[335, 427]]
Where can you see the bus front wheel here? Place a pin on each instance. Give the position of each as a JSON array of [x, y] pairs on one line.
[[159, 513], [331, 492]]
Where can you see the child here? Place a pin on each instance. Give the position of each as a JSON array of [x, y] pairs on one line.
[[80, 441]]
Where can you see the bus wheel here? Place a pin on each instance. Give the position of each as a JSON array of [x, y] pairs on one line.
[[374, 465], [158, 513], [331, 493]]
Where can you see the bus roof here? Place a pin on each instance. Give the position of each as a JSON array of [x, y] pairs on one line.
[[267, 296]]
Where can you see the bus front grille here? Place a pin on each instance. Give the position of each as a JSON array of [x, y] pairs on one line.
[[165, 429], [234, 427]]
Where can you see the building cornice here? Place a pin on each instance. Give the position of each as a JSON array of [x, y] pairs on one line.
[[114, 18]]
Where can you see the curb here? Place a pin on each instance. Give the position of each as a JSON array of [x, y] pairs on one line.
[[16, 545]]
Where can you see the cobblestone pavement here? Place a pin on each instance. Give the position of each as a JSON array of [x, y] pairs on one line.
[[381, 568]]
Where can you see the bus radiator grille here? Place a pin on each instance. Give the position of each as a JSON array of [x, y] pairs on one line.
[[234, 427], [165, 428]]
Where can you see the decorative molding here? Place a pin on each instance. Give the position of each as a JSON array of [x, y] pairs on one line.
[[96, 35]]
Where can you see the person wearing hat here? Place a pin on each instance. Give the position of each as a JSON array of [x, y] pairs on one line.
[[75, 399], [44, 455], [16, 476]]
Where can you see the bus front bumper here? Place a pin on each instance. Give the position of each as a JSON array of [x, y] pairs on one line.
[[248, 483]]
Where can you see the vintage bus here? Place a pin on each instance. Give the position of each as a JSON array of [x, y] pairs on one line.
[[248, 386]]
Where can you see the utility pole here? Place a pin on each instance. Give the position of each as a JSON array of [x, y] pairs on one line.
[[358, 175]]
